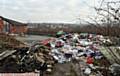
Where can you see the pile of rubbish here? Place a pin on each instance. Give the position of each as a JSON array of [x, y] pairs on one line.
[[83, 48], [69, 47], [8, 45], [26, 59], [41, 56]]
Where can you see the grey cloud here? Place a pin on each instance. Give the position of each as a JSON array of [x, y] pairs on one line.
[[46, 10]]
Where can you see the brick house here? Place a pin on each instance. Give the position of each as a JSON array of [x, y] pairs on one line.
[[12, 26]]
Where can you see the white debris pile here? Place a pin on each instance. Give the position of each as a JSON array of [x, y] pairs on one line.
[[70, 47]]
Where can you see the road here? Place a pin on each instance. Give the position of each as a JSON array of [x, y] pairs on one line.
[[30, 38]]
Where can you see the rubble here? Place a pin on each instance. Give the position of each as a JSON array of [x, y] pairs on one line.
[[8, 45], [82, 49], [69, 47]]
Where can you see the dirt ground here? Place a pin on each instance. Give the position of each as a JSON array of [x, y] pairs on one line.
[[66, 69]]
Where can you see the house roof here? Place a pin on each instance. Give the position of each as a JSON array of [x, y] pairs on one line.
[[13, 22]]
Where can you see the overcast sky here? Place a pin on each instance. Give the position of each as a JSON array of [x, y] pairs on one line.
[[47, 10]]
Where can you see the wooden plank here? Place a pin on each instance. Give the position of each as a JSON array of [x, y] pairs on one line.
[[6, 53]]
